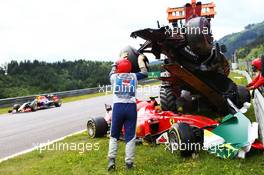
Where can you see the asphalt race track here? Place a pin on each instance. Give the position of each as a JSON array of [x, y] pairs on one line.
[[19, 132]]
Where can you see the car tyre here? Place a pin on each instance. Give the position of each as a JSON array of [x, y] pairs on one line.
[[168, 100], [33, 107], [184, 138], [97, 127], [57, 104]]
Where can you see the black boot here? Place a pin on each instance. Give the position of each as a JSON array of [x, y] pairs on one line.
[[111, 164]]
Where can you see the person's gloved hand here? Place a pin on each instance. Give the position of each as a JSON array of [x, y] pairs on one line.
[[141, 61], [143, 65]]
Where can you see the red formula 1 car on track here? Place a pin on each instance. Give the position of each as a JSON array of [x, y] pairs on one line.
[[40, 102], [152, 124]]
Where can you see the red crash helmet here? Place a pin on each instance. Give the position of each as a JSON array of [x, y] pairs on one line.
[[257, 63], [123, 66]]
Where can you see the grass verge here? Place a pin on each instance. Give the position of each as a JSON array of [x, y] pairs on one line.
[[149, 160], [238, 79], [4, 110], [82, 97]]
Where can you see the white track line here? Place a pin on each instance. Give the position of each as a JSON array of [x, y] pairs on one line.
[[40, 146]]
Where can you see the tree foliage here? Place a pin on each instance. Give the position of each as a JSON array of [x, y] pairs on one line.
[[35, 77], [27, 77], [252, 50], [242, 39]]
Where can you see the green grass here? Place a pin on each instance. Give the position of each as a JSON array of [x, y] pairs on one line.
[[149, 160], [238, 79], [82, 97], [4, 110]]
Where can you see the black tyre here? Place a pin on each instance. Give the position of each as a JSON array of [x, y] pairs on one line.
[[200, 41], [33, 106], [243, 95], [133, 57], [16, 107], [96, 127], [186, 139], [57, 104], [168, 99]]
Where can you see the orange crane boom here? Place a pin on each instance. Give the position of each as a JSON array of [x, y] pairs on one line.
[[191, 10]]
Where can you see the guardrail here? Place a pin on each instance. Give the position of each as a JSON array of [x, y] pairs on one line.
[[258, 102], [18, 100], [8, 102]]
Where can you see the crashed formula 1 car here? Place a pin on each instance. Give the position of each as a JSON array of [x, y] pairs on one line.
[[193, 62], [198, 132], [40, 102]]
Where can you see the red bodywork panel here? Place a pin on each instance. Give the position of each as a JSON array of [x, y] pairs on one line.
[[55, 98], [154, 122], [27, 110], [257, 145]]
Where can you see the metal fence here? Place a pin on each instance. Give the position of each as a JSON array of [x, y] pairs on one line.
[[258, 102], [7, 102]]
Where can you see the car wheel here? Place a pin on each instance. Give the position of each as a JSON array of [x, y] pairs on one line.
[[168, 99], [33, 107], [97, 127], [57, 104], [244, 96], [199, 41], [185, 139], [16, 107]]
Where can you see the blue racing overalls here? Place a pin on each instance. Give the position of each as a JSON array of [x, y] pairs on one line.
[[124, 113]]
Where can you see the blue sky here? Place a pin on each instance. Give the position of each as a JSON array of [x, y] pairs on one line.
[[53, 30]]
